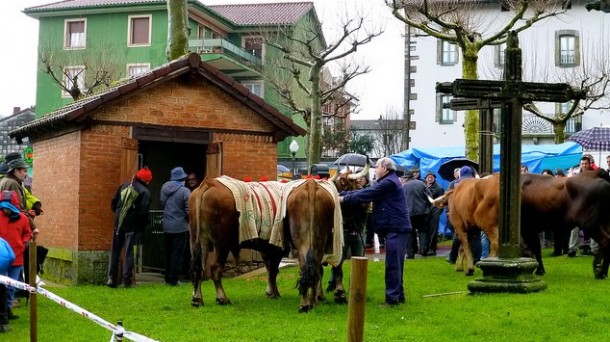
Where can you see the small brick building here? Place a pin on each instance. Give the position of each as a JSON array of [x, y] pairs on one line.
[[183, 113]]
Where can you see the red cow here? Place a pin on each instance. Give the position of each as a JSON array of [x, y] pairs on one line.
[[473, 204]]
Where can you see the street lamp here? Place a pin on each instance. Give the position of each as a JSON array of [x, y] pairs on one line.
[[294, 147]]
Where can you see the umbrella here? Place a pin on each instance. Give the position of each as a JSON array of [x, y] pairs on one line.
[[446, 168], [282, 169], [353, 159], [596, 138], [128, 196]]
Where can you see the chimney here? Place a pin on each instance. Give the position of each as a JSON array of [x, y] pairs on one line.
[[16, 110]]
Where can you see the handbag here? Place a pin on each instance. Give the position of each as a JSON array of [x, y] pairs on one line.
[[7, 256]]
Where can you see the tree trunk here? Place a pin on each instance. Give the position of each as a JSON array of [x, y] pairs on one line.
[[177, 29], [315, 128], [559, 128], [471, 119]]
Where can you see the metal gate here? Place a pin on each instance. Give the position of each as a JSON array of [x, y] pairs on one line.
[[151, 250]]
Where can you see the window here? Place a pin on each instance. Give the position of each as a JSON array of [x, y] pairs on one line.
[[500, 49], [254, 45], [444, 115], [75, 34], [134, 70], [567, 46], [447, 53], [255, 87], [139, 31], [574, 124], [72, 74]]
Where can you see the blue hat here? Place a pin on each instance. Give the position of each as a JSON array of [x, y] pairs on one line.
[[178, 174]]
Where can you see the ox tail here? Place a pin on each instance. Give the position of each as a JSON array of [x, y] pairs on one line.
[[308, 278], [195, 232]]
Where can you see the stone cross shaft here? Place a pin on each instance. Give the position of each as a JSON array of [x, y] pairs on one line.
[[512, 92]]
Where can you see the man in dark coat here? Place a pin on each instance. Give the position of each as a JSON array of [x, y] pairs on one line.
[[434, 213], [417, 195], [130, 221], [391, 219]]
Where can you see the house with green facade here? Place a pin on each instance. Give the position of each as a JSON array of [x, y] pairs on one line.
[[97, 44]]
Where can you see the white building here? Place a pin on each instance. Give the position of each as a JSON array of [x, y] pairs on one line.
[[551, 47]]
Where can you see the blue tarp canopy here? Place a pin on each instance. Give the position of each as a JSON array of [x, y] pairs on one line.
[[535, 157]]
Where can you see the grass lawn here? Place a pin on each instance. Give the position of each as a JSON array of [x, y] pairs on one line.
[[574, 307]]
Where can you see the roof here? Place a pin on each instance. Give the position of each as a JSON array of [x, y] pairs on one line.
[[245, 15], [373, 125], [80, 111], [286, 13], [71, 4]]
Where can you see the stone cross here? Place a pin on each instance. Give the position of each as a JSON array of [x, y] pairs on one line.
[[512, 92]]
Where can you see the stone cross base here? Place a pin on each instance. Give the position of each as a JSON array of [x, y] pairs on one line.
[[507, 275]]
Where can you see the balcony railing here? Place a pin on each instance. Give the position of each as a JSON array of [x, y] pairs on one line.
[[224, 47]]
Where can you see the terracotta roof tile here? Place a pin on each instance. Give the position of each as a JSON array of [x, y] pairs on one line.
[[264, 14], [90, 3]]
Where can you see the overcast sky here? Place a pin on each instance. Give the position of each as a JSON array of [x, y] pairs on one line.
[[380, 90]]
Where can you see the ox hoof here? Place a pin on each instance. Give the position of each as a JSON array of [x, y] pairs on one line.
[[470, 272], [273, 295], [340, 297], [221, 301], [321, 298], [540, 272], [305, 308], [196, 302]]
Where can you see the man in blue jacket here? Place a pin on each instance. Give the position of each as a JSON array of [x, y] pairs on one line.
[[391, 219]]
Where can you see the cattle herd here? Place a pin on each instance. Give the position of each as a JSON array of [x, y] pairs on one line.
[[305, 219], [548, 203]]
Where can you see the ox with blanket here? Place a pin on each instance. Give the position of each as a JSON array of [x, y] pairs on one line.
[[228, 215]]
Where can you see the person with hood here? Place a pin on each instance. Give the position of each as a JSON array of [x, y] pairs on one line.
[[174, 199], [391, 219], [130, 205], [15, 229]]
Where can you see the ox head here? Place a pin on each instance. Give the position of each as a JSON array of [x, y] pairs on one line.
[[442, 201], [347, 180]]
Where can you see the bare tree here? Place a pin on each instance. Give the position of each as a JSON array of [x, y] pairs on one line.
[[389, 136], [81, 73], [297, 72], [463, 23]]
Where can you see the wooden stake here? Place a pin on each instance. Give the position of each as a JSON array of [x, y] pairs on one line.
[[357, 300]]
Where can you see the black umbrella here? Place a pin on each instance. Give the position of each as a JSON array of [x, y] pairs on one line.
[[596, 138], [446, 168], [353, 159]]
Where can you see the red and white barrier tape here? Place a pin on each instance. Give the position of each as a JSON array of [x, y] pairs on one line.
[[115, 329]]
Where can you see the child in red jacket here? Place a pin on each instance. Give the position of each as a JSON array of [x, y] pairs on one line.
[[15, 229]]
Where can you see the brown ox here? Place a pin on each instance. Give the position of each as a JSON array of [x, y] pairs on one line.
[[563, 203], [473, 204], [310, 213], [314, 231], [215, 232]]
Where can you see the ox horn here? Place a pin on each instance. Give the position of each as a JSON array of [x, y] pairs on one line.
[[363, 173], [335, 176]]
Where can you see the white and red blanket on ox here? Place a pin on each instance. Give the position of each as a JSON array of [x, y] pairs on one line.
[[259, 206], [333, 257]]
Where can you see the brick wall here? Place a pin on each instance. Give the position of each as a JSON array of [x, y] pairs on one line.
[[77, 174]]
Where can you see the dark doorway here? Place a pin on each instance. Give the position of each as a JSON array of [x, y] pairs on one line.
[[161, 157]]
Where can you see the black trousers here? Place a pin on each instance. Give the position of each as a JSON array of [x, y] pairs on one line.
[[119, 240], [3, 306], [175, 244]]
